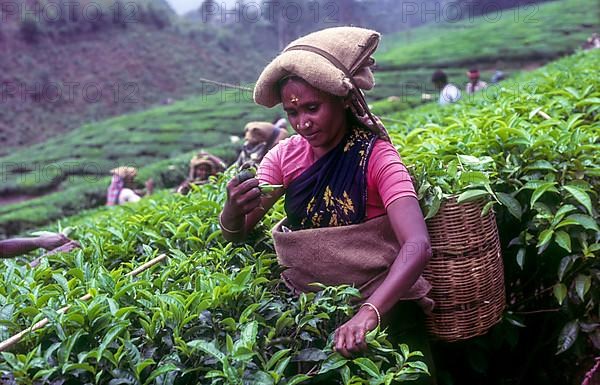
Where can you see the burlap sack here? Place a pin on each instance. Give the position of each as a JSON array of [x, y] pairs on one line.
[[358, 255], [351, 46], [257, 132]]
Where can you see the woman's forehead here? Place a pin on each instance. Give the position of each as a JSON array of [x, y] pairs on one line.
[[297, 91]]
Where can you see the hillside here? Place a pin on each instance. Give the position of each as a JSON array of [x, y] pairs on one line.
[[511, 40], [65, 165], [70, 173], [217, 310], [65, 75]]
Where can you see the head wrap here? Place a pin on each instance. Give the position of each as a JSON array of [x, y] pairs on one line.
[[202, 158], [334, 60], [124, 172], [257, 132]]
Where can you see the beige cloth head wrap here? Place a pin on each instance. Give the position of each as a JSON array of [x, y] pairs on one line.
[[215, 164], [334, 60], [124, 172], [256, 132], [350, 46]]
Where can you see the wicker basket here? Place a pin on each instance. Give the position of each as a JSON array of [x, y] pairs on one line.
[[466, 272]]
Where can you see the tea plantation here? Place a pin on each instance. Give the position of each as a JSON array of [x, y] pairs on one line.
[[68, 174], [160, 141], [508, 40], [216, 313]]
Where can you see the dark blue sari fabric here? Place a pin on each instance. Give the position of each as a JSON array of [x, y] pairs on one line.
[[333, 191]]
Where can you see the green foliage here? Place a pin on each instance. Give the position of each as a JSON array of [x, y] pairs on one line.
[[535, 31], [510, 40], [531, 148], [217, 313], [77, 164], [214, 313]]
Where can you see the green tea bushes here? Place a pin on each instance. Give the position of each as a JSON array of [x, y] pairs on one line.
[[532, 152], [214, 313]]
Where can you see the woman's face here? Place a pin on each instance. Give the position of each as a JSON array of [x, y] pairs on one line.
[[202, 172], [317, 116]]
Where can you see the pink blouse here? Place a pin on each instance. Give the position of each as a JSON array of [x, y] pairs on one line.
[[387, 177]]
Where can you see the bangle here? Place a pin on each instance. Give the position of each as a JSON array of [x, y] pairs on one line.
[[226, 229], [369, 304]]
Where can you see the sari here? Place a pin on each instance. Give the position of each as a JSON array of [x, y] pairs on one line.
[[333, 191]]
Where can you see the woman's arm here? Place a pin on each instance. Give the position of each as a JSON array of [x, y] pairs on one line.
[[245, 206], [18, 246], [128, 195], [409, 226]]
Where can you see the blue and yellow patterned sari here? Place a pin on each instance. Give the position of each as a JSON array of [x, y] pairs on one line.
[[333, 191]]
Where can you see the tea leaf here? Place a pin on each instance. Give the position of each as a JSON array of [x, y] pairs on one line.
[[513, 205], [333, 362], [368, 366], [582, 285], [567, 336], [581, 196], [560, 292], [539, 191], [520, 257], [471, 195], [583, 220], [564, 240]]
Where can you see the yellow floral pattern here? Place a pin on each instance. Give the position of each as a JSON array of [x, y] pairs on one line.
[[337, 208]]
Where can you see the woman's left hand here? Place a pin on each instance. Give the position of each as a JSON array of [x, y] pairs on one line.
[[351, 336]]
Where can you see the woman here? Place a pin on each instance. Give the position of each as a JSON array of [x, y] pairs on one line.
[[339, 171], [202, 166], [260, 137], [121, 190]]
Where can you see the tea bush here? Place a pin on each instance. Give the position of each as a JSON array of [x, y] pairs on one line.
[[526, 31], [531, 148], [215, 313]]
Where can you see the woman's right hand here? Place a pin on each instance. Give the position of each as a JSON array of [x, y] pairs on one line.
[[242, 198], [50, 242]]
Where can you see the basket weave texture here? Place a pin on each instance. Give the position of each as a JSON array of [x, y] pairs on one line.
[[466, 272]]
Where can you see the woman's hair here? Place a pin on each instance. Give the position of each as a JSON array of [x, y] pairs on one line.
[[439, 76]]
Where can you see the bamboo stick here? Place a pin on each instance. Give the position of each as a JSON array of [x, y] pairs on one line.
[[544, 115], [8, 343]]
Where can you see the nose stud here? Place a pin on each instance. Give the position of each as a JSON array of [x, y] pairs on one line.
[[307, 124]]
